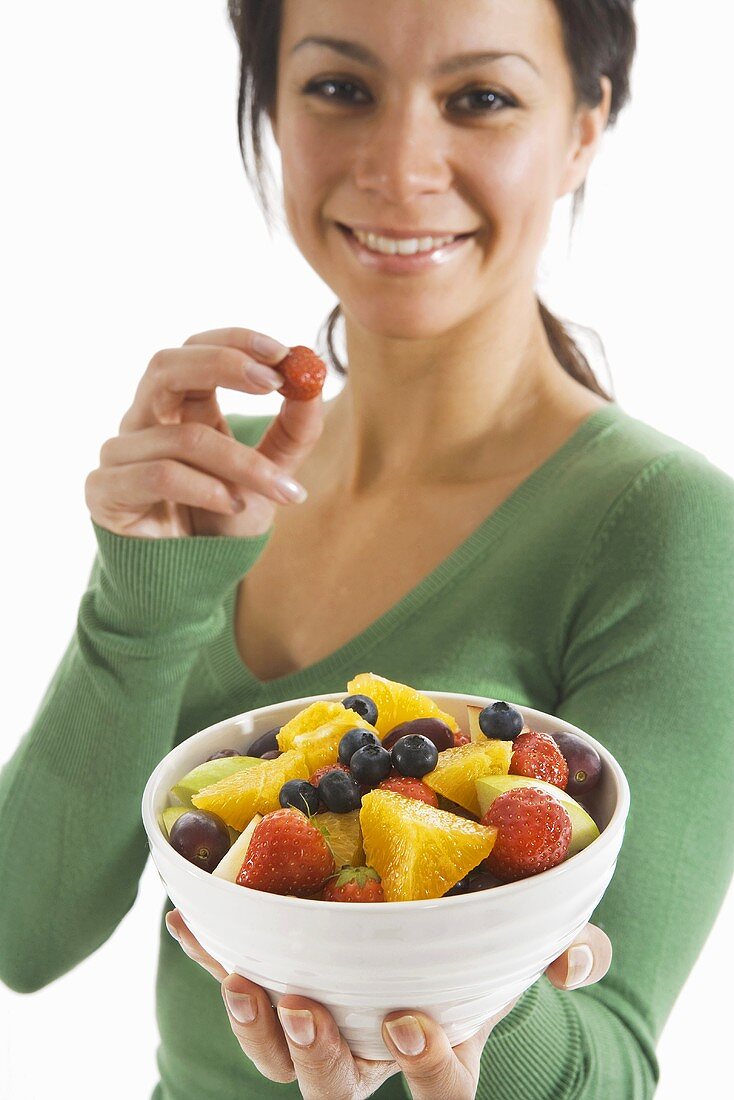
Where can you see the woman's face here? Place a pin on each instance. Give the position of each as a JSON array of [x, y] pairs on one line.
[[394, 131]]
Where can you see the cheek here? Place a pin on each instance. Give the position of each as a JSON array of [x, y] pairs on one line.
[[311, 165], [518, 180]]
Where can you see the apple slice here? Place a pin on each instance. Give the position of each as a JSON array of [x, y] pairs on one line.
[[583, 827], [169, 815], [475, 732], [211, 771], [229, 865]]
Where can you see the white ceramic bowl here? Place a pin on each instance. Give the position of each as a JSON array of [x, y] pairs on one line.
[[459, 959]]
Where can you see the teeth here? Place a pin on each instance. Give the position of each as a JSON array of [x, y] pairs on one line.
[[389, 246]]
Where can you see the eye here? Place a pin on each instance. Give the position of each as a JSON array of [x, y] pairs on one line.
[[339, 91], [485, 101]]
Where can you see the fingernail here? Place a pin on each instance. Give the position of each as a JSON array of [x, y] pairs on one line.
[[289, 489], [241, 1005], [580, 962], [407, 1034], [264, 376], [265, 345], [298, 1025], [172, 930]]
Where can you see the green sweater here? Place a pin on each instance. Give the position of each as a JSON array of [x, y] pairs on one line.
[[602, 591]]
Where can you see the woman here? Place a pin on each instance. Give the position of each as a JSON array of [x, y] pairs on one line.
[[478, 514]]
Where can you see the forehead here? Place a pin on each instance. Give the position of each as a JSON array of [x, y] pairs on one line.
[[413, 36]]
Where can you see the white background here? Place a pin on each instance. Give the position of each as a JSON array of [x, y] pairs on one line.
[[128, 225]]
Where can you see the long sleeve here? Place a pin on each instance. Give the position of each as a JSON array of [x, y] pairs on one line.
[[646, 651], [72, 843]]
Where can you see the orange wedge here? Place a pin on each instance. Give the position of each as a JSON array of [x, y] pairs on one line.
[[238, 797], [419, 851], [310, 718], [457, 770], [396, 702], [343, 834], [321, 746]]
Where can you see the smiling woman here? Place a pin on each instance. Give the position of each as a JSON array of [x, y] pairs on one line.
[[599, 43], [473, 514]]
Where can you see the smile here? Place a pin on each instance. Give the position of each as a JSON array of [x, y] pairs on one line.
[[404, 254]]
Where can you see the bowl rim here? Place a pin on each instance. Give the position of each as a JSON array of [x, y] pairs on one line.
[[606, 838]]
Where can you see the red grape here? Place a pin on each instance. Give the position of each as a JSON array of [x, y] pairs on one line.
[[432, 728], [200, 837]]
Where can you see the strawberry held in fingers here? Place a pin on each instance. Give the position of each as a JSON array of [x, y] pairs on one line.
[[304, 374], [286, 855], [354, 884]]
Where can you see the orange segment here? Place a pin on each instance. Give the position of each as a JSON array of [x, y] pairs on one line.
[[419, 851], [396, 702], [343, 834], [457, 770], [238, 797], [321, 746], [310, 718]]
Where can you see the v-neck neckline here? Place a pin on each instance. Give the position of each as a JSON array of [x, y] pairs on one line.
[[237, 678]]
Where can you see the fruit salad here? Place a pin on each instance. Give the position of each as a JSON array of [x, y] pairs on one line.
[[383, 797]]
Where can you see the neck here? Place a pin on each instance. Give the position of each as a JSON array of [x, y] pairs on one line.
[[448, 408]]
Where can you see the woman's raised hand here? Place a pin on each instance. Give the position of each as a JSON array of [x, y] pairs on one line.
[[301, 1042], [175, 468]]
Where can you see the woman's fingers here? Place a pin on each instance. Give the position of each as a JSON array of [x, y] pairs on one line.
[[192, 446], [430, 1065], [323, 1062], [175, 376], [584, 962], [255, 1025], [178, 929]]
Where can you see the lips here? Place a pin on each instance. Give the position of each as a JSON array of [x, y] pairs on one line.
[[404, 234]]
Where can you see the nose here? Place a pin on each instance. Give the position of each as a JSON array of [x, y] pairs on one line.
[[402, 154]]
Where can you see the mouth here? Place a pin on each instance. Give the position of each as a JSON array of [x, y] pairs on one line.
[[403, 243]]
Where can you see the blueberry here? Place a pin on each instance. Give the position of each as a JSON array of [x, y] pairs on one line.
[[301, 795], [500, 720], [353, 740], [266, 742], [339, 792], [414, 755], [370, 764], [469, 884], [363, 706]]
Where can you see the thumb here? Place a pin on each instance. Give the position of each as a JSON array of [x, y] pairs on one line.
[[584, 962], [293, 433]]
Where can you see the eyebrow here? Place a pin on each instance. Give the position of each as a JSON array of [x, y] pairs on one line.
[[451, 65]]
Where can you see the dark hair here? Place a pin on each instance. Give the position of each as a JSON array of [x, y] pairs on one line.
[[599, 37]]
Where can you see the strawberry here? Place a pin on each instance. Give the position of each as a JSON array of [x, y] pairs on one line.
[[314, 780], [537, 756], [286, 855], [534, 832], [354, 884], [410, 788], [304, 374], [460, 739]]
